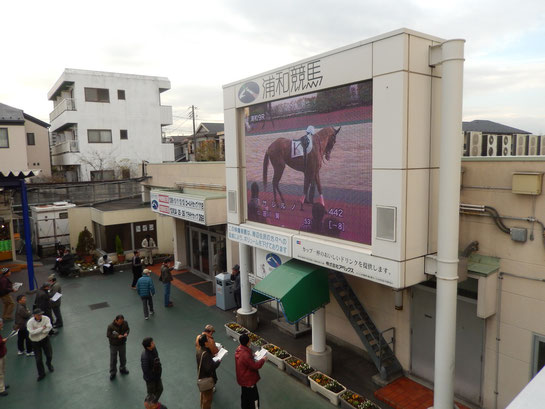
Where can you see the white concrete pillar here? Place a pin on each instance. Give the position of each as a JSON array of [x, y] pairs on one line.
[[245, 289], [318, 330], [450, 55]]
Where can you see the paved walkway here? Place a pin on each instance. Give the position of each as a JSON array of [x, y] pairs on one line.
[[81, 354], [404, 393]]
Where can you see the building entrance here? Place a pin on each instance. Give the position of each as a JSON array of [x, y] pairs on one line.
[[469, 342], [207, 251]]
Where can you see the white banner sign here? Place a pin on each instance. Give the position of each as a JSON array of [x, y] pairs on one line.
[[178, 205], [352, 262], [273, 242]]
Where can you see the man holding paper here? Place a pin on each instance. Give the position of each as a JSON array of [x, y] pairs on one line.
[[55, 293], [247, 369]]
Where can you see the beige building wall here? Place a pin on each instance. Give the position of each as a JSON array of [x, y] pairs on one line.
[[488, 182], [38, 154], [192, 174], [79, 217], [14, 157]]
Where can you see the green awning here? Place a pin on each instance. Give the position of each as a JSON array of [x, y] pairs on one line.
[[300, 288]]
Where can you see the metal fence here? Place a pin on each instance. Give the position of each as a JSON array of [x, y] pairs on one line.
[[80, 193]]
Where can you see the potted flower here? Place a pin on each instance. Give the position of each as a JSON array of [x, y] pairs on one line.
[[327, 387], [299, 369], [119, 249], [85, 246], [351, 400], [256, 342], [276, 355], [234, 330]]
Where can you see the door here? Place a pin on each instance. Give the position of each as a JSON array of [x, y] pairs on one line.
[[469, 342]]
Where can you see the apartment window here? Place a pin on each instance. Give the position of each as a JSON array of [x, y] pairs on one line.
[[123, 134], [30, 139], [99, 136], [121, 94], [538, 360], [97, 95], [4, 139], [102, 175]]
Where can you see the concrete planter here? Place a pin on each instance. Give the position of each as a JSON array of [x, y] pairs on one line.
[[333, 397], [232, 333], [302, 377], [273, 359]]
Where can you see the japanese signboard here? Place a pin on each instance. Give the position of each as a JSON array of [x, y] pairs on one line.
[[270, 241], [357, 263], [178, 205], [308, 160]]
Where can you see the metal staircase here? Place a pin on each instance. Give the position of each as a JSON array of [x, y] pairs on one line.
[[377, 347]]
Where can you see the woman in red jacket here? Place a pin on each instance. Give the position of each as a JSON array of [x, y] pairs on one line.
[[247, 374]]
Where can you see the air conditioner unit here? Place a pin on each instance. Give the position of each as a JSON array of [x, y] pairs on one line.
[[465, 143], [521, 144], [507, 146], [492, 142], [542, 145], [533, 145], [475, 144]]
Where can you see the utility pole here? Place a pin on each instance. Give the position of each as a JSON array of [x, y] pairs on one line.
[[192, 115]]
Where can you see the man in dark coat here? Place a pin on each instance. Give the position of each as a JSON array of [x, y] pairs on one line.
[[136, 269], [235, 277], [55, 288], [6, 288], [166, 278], [117, 334], [151, 368], [43, 302]]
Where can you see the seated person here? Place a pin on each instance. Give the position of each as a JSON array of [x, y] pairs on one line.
[[66, 263], [106, 263]]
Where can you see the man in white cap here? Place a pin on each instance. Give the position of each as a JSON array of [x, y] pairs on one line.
[[38, 328]]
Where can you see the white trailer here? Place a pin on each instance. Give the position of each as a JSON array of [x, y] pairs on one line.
[[50, 226]]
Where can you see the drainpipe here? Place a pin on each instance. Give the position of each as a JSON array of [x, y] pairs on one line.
[[450, 55]]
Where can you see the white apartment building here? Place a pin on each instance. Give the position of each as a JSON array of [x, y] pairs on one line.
[[104, 125]]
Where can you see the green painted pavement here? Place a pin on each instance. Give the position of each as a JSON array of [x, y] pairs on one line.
[[81, 355]]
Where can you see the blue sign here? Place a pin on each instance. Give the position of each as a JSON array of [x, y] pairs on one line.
[[273, 260], [154, 204]]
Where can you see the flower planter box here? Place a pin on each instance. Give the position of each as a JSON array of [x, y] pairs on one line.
[[273, 359], [358, 401], [302, 377], [232, 333], [333, 397]]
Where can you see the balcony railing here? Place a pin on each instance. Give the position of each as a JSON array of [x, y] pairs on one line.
[[67, 104], [65, 147]]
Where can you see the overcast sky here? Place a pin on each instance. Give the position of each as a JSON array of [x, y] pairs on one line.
[[201, 45]]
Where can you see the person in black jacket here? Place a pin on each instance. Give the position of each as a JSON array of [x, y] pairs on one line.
[[207, 368], [117, 334], [136, 269], [43, 302], [235, 277], [151, 368]]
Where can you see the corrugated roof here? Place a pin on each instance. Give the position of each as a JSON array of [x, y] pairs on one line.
[[481, 125], [11, 114]]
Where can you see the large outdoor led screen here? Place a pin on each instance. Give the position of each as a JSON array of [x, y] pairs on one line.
[[308, 162]]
